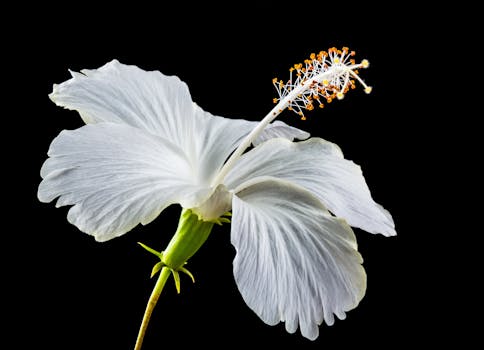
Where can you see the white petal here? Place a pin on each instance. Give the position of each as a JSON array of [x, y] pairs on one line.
[[116, 176], [213, 140], [295, 262], [280, 129], [160, 105], [318, 166], [121, 93], [217, 137]]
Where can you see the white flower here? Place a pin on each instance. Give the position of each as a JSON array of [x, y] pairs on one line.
[[146, 146]]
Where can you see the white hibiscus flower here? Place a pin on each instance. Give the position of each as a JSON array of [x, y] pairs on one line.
[[146, 146]]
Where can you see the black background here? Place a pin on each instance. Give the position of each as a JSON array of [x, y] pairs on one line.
[[72, 292]]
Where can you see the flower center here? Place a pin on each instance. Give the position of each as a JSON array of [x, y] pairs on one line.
[[219, 203]]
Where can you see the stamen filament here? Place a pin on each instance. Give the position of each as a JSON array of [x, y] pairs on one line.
[[359, 79]]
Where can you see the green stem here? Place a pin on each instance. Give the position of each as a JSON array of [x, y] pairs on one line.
[[165, 273], [189, 237]]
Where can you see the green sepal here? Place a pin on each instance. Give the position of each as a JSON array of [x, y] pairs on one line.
[[189, 237], [152, 251], [158, 266], [176, 277], [185, 271], [191, 233], [222, 220]]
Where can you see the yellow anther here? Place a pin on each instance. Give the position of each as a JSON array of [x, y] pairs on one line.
[[319, 80]]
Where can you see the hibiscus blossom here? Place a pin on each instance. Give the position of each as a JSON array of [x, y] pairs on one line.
[[146, 146]]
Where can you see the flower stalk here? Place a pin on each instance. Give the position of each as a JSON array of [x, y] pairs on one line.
[[190, 235], [155, 295]]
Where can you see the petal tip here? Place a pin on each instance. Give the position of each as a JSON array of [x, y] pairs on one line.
[[53, 94], [41, 196], [390, 233], [311, 334]]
